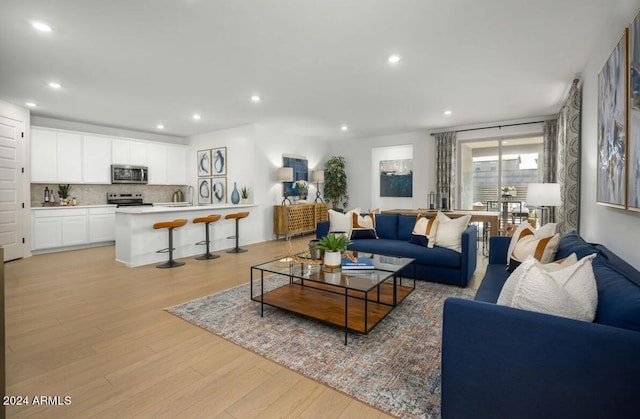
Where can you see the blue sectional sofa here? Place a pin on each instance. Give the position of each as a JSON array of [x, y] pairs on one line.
[[436, 264], [502, 362]]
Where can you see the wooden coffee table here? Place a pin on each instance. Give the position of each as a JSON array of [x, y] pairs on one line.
[[356, 300]]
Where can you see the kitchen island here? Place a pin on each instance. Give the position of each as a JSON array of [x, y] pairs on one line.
[[137, 242]]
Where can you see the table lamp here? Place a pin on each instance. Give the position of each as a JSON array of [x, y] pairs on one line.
[[543, 196], [285, 174], [317, 176]]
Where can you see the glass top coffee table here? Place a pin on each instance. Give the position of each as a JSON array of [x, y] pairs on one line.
[[356, 300]]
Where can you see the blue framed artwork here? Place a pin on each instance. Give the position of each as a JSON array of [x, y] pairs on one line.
[[396, 178], [612, 128], [300, 167], [633, 167]]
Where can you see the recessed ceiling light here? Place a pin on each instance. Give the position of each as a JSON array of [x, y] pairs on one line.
[[447, 113], [256, 98], [395, 58], [31, 104], [54, 85], [42, 27], [160, 126], [196, 116], [344, 128]]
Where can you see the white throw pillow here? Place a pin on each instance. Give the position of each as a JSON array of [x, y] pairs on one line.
[[431, 234], [449, 232], [509, 287], [339, 222], [542, 248], [570, 292], [524, 229]]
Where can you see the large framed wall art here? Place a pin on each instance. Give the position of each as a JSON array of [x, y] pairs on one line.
[[300, 167], [633, 146], [212, 176], [612, 128], [396, 177]]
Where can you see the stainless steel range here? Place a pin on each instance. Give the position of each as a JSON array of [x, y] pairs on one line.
[[126, 199]]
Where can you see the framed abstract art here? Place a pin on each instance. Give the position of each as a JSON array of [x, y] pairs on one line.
[[633, 146], [612, 128], [204, 163], [204, 191], [219, 161]]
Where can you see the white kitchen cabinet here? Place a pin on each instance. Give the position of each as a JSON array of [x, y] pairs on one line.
[[138, 153], [129, 152], [96, 159], [157, 163], [74, 230], [176, 165], [102, 224], [60, 228], [44, 156], [69, 153], [47, 232], [56, 157]]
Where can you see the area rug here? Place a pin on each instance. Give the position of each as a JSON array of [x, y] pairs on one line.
[[395, 368]]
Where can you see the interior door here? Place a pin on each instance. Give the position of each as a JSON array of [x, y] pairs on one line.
[[11, 201]]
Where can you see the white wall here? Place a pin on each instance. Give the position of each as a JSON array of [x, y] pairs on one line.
[[361, 172], [617, 229], [254, 153]]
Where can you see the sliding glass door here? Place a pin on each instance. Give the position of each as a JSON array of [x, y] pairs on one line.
[[494, 175]]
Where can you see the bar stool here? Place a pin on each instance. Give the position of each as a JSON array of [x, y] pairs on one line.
[[171, 225], [236, 216], [206, 220]]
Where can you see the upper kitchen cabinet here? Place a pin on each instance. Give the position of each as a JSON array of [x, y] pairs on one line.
[[129, 152], [44, 156], [96, 159], [176, 165], [56, 156], [157, 163]]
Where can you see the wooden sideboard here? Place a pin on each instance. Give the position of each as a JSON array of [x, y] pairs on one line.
[[298, 218]]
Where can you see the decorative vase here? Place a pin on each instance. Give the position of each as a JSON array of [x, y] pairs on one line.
[[235, 195], [332, 259]]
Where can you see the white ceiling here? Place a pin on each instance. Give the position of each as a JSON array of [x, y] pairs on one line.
[[316, 64]]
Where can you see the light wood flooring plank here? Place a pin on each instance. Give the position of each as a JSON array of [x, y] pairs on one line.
[[83, 325]]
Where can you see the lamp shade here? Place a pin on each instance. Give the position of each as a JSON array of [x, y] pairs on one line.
[[285, 174], [317, 176], [543, 195]]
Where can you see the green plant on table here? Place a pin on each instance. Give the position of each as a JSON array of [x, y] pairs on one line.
[[334, 243], [64, 191], [244, 192]]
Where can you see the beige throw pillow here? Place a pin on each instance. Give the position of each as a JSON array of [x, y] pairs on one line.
[[449, 232], [570, 292]]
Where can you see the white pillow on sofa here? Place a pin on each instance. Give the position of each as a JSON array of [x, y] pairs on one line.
[[449, 231], [524, 229], [509, 288], [341, 222], [570, 292]]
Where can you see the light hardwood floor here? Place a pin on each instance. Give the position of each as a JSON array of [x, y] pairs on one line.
[[80, 324]]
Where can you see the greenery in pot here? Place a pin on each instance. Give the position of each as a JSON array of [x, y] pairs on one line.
[[64, 191], [333, 243], [335, 181], [244, 193]]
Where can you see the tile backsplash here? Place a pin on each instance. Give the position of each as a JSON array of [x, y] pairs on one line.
[[97, 194]]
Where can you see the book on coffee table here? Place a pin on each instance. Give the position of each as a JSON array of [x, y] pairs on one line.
[[362, 263]]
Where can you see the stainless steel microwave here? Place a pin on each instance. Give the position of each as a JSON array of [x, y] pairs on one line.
[[129, 174]]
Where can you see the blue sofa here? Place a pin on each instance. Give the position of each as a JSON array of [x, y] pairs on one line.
[[500, 362], [436, 264]]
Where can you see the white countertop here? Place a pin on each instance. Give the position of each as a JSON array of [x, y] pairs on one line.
[[59, 207], [167, 209]]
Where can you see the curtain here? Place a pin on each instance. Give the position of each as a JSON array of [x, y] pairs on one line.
[[550, 144], [568, 160], [445, 167]]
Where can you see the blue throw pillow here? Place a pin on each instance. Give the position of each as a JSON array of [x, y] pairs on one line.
[[387, 226], [405, 226], [419, 240], [363, 234]]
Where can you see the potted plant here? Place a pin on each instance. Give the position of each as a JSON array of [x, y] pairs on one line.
[[333, 244], [302, 187], [335, 181], [63, 192], [244, 194]]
